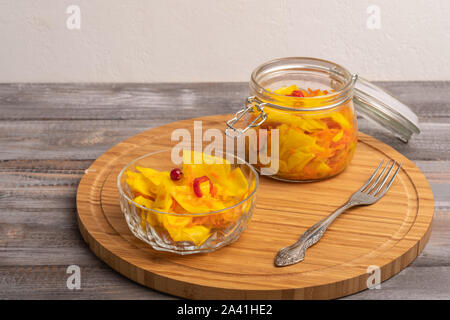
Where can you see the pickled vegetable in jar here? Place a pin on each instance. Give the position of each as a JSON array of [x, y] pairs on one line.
[[310, 102], [312, 146]]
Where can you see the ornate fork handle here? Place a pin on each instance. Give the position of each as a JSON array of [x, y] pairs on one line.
[[296, 252], [315, 233]]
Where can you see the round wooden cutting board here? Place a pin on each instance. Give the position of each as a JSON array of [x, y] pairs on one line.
[[389, 234]]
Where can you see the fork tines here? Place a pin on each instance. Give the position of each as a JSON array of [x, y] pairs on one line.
[[381, 179]]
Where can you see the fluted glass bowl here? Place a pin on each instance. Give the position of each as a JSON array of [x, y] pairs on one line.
[[151, 226]]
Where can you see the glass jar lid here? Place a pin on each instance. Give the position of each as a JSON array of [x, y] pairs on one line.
[[376, 105]]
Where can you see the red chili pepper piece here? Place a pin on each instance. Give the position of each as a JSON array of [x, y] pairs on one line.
[[176, 174], [296, 93], [196, 186]]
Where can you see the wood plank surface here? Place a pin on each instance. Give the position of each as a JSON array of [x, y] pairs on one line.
[[50, 133]]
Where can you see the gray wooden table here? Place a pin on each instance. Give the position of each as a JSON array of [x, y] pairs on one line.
[[50, 133]]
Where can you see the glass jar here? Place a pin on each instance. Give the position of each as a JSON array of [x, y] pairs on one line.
[[316, 126]]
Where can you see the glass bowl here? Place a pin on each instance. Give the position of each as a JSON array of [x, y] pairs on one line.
[[158, 228]]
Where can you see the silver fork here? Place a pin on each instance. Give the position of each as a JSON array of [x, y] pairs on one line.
[[366, 195]]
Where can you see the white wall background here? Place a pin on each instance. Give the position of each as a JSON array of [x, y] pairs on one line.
[[218, 40]]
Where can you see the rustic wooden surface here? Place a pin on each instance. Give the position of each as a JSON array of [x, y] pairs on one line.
[[49, 134]]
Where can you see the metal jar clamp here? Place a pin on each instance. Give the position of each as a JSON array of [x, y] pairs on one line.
[[262, 116]]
